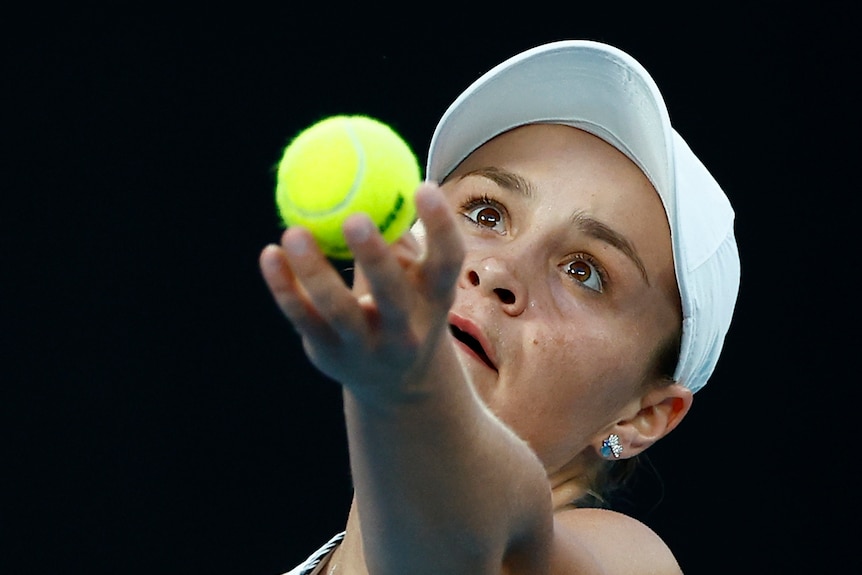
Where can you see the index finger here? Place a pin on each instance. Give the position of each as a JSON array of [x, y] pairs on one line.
[[444, 247]]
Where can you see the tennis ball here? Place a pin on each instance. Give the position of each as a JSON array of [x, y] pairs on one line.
[[342, 165]]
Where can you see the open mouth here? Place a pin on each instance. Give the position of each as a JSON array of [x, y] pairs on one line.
[[473, 344]]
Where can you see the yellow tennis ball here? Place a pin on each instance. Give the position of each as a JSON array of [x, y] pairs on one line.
[[342, 165]]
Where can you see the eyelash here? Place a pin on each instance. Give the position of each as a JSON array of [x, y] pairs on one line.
[[476, 201], [602, 273]]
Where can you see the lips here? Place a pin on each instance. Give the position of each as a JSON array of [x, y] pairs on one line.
[[470, 337]]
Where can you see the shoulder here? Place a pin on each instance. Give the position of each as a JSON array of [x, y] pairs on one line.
[[616, 543]]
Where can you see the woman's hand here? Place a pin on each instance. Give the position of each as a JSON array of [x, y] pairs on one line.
[[378, 336]]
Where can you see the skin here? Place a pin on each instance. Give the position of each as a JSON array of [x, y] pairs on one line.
[[551, 249]]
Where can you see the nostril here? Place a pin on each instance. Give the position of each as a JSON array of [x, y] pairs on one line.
[[505, 295]]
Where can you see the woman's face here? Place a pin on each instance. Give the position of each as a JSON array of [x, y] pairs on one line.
[[568, 284]]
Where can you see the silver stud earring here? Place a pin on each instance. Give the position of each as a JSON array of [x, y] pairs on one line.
[[611, 447]]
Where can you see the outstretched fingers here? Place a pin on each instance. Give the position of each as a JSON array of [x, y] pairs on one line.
[[382, 272], [407, 288], [444, 251], [308, 290]]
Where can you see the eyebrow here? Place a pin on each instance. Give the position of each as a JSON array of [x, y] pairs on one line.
[[605, 233], [505, 179], [584, 222]]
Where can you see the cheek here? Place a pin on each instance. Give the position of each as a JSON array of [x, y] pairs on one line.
[[579, 372], [551, 400], [582, 354]]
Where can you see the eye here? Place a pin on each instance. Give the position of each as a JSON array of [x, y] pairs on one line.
[[485, 213], [586, 272]]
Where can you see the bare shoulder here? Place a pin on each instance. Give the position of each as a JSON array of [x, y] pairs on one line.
[[616, 543]]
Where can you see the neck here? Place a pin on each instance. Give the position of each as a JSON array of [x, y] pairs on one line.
[[570, 483], [565, 494], [348, 558]]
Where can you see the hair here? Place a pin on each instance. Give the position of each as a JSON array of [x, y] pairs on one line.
[[609, 485]]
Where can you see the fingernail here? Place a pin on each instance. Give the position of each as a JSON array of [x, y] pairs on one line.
[[430, 197], [358, 228], [297, 244]]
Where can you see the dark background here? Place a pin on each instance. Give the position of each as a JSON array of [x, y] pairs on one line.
[[159, 415]]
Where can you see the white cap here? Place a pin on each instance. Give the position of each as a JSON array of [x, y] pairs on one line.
[[604, 91]]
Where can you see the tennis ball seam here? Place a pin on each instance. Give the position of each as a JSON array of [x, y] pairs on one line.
[[354, 187], [358, 162]]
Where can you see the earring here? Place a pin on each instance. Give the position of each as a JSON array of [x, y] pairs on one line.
[[611, 447]]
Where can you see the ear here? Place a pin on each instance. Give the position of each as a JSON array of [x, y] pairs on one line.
[[657, 413]]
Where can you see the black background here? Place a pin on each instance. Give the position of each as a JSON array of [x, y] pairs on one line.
[[159, 415]]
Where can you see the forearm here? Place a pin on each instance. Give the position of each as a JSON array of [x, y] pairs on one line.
[[442, 486]]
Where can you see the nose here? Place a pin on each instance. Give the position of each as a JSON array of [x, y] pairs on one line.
[[495, 278]]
